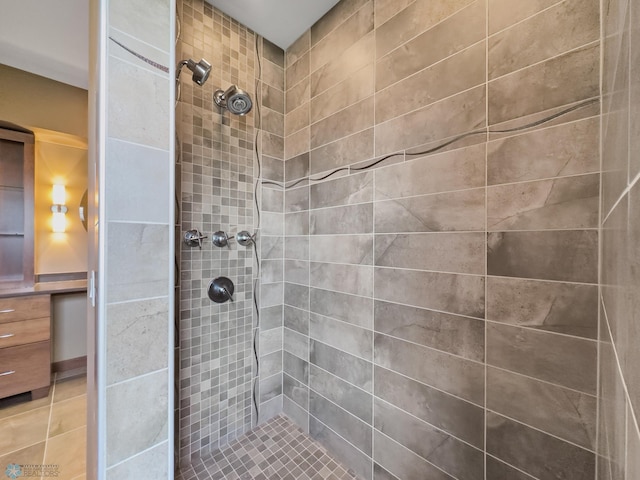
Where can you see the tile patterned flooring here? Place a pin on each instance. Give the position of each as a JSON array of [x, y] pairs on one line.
[[275, 450], [47, 431]]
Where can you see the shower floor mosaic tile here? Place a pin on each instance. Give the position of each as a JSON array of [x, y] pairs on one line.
[[276, 450]]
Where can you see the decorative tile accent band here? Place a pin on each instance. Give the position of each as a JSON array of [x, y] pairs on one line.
[[437, 148], [141, 57]]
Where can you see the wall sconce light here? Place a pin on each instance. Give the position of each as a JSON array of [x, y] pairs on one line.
[[59, 210]]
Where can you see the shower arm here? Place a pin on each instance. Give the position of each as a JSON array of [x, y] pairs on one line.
[[179, 69]]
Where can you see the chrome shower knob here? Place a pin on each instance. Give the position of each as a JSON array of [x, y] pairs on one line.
[[221, 239], [193, 238], [245, 239]]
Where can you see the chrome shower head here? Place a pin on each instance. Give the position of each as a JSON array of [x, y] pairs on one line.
[[234, 99], [201, 70]]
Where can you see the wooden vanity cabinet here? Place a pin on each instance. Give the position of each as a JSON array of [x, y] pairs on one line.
[[25, 345]]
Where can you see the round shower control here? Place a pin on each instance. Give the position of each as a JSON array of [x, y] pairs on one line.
[[220, 290]]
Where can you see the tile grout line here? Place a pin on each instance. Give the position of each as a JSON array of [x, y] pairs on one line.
[[486, 236], [46, 438], [374, 175]]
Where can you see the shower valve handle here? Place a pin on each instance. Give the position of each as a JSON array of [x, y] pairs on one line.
[[245, 239], [193, 238], [221, 239]]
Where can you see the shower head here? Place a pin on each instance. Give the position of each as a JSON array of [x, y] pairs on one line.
[[201, 70], [234, 99]]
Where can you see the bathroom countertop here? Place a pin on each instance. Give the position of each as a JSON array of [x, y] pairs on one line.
[[67, 286]]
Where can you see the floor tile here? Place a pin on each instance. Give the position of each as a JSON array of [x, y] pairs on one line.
[[68, 415]]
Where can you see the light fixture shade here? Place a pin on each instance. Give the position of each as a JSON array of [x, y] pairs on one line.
[[59, 195], [59, 222]]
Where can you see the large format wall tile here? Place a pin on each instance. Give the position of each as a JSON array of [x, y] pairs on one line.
[[354, 279], [357, 188], [559, 359], [343, 450], [442, 331], [403, 462], [333, 19], [536, 39], [355, 88], [343, 306], [449, 117], [462, 294], [560, 81], [570, 256], [557, 307], [567, 149], [342, 37], [446, 252], [351, 120], [348, 219], [348, 396], [136, 336], [401, 236], [136, 410], [352, 429], [345, 366], [454, 375], [534, 452], [455, 170], [433, 445], [571, 202], [462, 419], [415, 19], [564, 413], [140, 270], [460, 72], [341, 335], [343, 66], [345, 151], [448, 37], [463, 210], [504, 13]]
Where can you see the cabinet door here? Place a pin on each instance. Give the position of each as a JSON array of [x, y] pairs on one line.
[[16, 208]]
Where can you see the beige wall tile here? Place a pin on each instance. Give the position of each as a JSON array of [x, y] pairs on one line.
[[420, 16], [355, 88], [560, 81], [385, 9], [536, 39], [346, 151], [351, 120], [567, 149], [334, 18], [344, 65], [455, 170], [505, 13], [444, 252], [455, 74], [455, 115], [345, 35], [570, 202]]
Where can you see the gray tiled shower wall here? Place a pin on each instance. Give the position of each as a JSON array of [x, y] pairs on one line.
[[619, 390], [216, 170], [441, 309]]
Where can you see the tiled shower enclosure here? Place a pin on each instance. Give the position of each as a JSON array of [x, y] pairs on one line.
[[430, 193]]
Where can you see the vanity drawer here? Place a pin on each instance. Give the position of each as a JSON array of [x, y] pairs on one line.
[[24, 308], [24, 368], [26, 331]]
